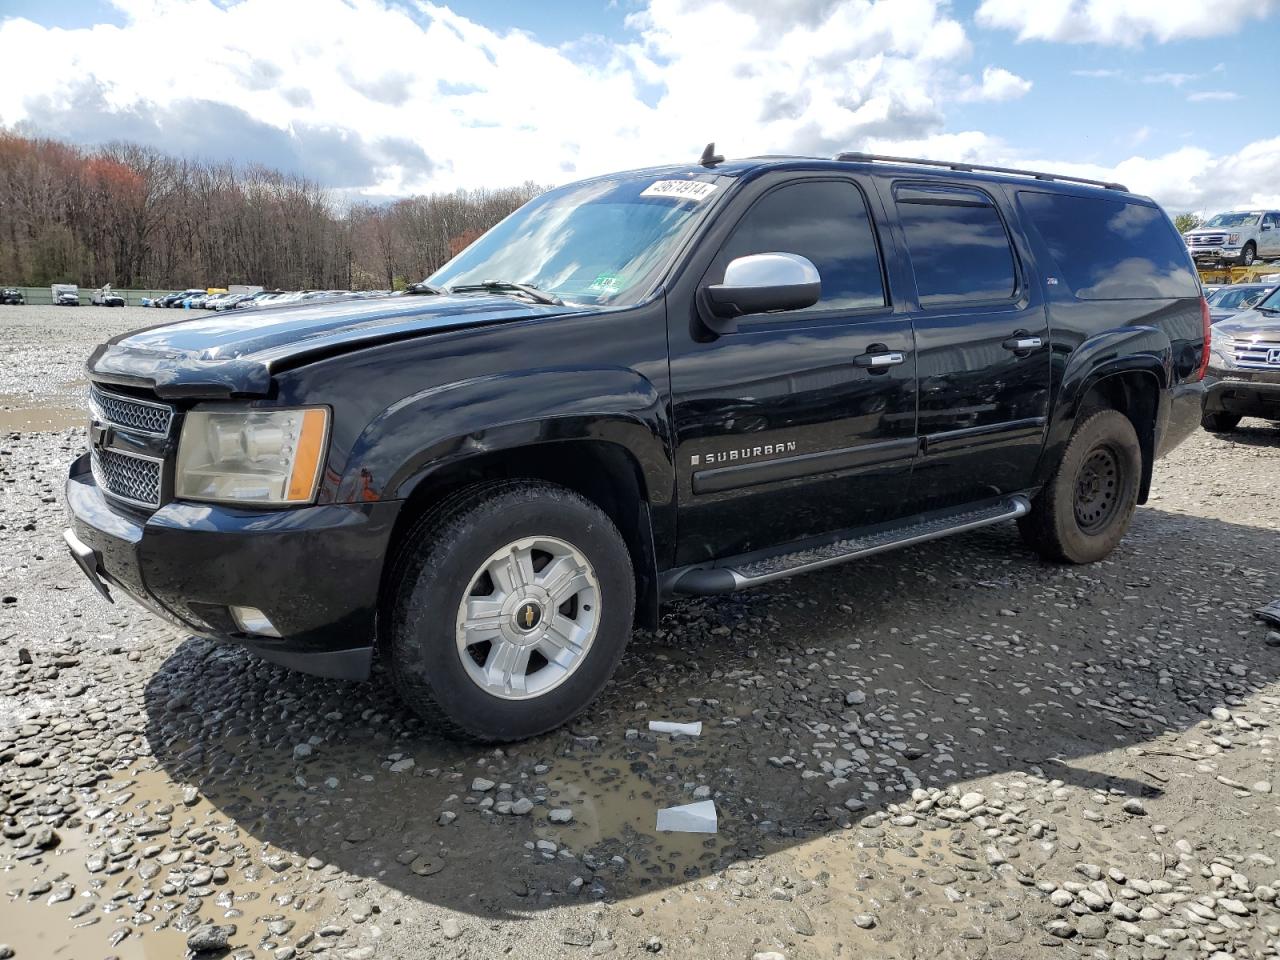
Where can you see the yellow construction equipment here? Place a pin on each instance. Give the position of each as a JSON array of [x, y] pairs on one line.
[[1224, 275]]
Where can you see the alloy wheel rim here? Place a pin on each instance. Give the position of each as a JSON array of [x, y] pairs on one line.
[[528, 618], [1097, 493]]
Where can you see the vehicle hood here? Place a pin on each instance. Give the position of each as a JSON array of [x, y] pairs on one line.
[[234, 353], [1251, 323]]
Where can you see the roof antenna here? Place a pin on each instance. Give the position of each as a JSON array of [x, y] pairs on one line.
[[709, 156]]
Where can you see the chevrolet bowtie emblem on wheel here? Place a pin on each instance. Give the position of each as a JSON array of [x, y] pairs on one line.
[[1273, 357], [528, 616]]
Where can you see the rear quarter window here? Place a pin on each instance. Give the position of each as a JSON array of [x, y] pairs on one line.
[[1111, 249]]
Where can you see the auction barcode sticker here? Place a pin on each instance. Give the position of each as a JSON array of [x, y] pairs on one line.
[[695, 190]]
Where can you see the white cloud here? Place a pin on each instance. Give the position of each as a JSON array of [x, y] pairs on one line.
[[1192, 179], [1120, 22], [1170, 79], [418, 98], [1210, 96], [997, 84], [383, 100]]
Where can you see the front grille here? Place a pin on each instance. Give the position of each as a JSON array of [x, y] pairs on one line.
[[141, 415], [1211, 240], [129, 477], [134, 475], [1257, 356]]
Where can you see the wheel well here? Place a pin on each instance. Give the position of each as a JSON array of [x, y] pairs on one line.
[[603, 472], [1136, 395]]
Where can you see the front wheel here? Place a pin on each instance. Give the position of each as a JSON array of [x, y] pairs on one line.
[[511, 607], [1083, 512], [1248, 254], [1220, 422]]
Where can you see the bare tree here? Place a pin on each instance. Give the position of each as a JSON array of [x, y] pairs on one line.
[[133, 216]]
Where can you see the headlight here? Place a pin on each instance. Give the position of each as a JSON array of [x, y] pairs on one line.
[[251, 456], [1222, 351], [1233, 239]]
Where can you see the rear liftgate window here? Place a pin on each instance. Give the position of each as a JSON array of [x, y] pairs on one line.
[[1112, 249], [959, 247]]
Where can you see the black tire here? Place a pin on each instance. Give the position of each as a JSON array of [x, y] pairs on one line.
[[436, 568], [1220, 422], [1083, 512], [1248, 254]]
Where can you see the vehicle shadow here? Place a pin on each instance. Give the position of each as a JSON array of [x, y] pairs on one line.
[[965, 658]]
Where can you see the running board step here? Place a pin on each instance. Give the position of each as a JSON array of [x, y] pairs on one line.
[[751, 569]]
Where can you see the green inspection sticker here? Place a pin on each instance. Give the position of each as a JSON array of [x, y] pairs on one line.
[[606, 281]]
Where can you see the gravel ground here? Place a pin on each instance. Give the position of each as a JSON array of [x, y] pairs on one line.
[[953, 750]]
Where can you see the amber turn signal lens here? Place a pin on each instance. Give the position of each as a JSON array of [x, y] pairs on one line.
[[310, 454]]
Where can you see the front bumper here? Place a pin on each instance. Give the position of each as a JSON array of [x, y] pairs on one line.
[[314, 571], [1246, 393], [1215, 254]]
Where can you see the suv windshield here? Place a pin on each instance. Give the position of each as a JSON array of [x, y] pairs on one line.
[[1272, 302], [1227, 298], [603, 242], [1232, 220]]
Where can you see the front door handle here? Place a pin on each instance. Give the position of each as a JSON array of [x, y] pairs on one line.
[[879, 360], [1022, 342]]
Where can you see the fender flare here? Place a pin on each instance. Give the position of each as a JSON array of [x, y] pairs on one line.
[[1145, 350]]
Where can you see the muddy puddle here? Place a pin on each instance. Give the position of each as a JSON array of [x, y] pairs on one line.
[[136, 869], [28, 413]]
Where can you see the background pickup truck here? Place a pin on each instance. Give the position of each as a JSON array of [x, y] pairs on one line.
[[1237, 237], [684, 380]]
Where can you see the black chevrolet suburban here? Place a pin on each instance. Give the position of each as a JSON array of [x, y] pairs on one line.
[[676, 381]]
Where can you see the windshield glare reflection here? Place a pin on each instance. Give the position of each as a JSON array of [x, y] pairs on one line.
[[596, 243]]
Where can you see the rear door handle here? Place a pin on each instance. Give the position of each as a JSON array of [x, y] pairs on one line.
[[1022, 342]]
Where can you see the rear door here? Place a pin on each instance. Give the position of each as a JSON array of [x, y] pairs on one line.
[[982, 342], [787, 427]]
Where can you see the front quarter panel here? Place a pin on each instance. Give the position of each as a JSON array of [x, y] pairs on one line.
[[403, 409]]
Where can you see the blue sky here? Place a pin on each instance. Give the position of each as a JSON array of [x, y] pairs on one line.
[[1174, 100]]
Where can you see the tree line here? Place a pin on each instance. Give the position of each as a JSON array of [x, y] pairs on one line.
[[136, 217]]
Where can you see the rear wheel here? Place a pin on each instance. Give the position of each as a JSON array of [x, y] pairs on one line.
[[1220, 422], [512, 605], [1083, 512]]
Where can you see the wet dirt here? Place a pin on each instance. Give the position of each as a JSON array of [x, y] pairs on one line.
[[123, 879], [933, 753], [30, 414]]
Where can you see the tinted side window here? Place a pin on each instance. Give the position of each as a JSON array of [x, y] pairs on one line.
[[1112, 249], [958, 244], [826, 221]]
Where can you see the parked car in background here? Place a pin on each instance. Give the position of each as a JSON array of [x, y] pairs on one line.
[[12, 296], [213, 301], [65, 294], [489, 479], [1241, 236], [1243, 378], [1227, 301], [175, 299], [104, 296]]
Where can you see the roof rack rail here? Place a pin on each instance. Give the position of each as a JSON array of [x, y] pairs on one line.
[[970, 167]]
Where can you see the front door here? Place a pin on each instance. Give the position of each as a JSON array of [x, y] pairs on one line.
[[1269, 236], [800, 422], [982, 343]]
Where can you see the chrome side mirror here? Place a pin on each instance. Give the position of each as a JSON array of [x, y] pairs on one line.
[[761, 283]]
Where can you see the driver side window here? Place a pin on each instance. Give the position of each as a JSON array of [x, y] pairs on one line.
[[825, 221]]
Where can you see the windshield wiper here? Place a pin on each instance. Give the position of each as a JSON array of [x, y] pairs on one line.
[[424, 287], [506, 286]]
